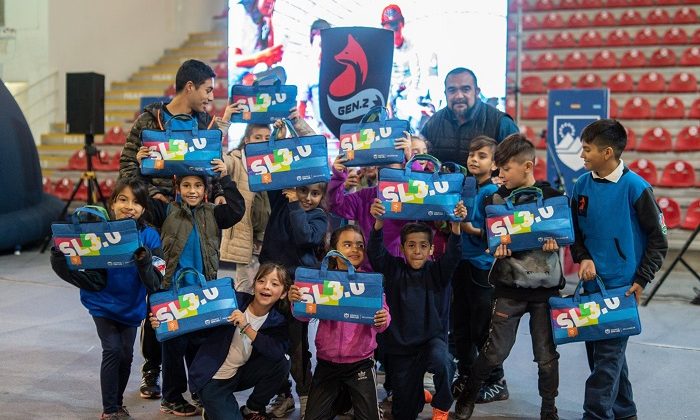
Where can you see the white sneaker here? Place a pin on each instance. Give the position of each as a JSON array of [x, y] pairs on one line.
[[302, 405], [280, 406]]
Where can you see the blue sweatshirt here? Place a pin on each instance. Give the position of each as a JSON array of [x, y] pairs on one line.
[[124, 297], [474, 247], [418, 300], [620, 227]]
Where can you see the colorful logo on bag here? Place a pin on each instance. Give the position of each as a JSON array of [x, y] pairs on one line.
[[364, 139], [86, 245], [329, 293], [519, 222], [260, 102], [185, 306], [174, 149], [280, 160], [412, 192], [584, 315]]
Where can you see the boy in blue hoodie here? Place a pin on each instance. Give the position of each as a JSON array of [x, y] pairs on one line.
[[625, 247]]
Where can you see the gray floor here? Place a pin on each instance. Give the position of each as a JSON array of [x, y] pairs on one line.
[[50, 359]]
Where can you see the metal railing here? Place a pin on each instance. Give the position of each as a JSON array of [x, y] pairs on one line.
[[39, 103]]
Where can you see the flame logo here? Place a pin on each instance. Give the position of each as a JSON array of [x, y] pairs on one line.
[[355, 74]]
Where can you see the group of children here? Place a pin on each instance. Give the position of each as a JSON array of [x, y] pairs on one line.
[[429, 290]]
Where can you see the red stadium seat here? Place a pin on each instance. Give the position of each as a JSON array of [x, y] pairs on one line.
[[604, 18], [683, 82], [691, 57], [223, 56], [221, 89], [78, 161], [591, 4], [694, 112], [547, 61], [575, 60], [685, 15], [675, 36], [553, 20], [104, 162], [115, 135], [543, 5], [631, 139], [530, 22], [540, 171], [47, 185], [579, 20], [512, 42], [511, 106], [618, 38], [64, 188], [688, 139], [569, 4], [532, 84], [590, 39], [559, 81], [658, 16], [678, 174], [526, 62], [617, 3], [528, 132], [563, 39], [82, 193], [614, 110], [604, 59], [513, 5], [663, 57], [646, 36], [621, 82], [221, 71], [589, 81], [671, 211], [630, 17], [536, 41], [540, 142], [695, 39], [646, 169], [170, 91], [107, 187], [537, 109], [656, 140], [668, 2], [651, 82], [638, 3], [114, 161], [511, 23], [636, 108], [670, 108], [633, 58], [692, 216]]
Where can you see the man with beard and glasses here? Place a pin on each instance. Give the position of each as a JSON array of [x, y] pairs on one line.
[[451, 129]]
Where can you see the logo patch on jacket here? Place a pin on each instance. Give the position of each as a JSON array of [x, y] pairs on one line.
[[582, 205]]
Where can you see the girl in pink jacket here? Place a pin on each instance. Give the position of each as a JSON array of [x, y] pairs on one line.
[[345, 350]]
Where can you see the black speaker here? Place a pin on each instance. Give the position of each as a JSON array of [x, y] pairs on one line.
[[85, 103]]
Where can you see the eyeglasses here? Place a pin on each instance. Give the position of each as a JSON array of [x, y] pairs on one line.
[[356, 245]]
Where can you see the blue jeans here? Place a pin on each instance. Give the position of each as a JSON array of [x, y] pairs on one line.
[[608, 390], [259, 373], [117, 353]]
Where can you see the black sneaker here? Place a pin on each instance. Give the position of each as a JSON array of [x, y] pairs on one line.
[[549, 414], [495, 391], [180, 408], [458, 385], [196, 400], [463, 409], [149, 385]]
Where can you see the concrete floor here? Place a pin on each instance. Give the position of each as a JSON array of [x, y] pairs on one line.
[[49, 367]]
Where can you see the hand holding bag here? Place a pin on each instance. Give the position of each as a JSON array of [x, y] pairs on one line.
[[372, 143], [101, 244], [287, 163], [263, 103], [348, 296], [180, 152], [412, 195], [181, 310], [594, 316], [526, 226]]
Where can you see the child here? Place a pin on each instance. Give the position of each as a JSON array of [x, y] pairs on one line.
[[191, 233], [470, 286], [248, 353], [117, 303], [344, 350], [625, 247], [417, 293], [239, 242], [524, 281]]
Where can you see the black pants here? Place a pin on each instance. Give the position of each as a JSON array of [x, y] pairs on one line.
[[471, 315], [608, 388], [176, 352], [300, 357], [117, 353], [151, 349], [407, 372], [258, 373], [331, 379], [504, 328]]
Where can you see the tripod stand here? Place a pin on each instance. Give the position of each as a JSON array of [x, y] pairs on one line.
[[90, 180]]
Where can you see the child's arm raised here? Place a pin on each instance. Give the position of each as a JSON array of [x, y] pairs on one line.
[[230, 212], [379, 257], [308, 228]]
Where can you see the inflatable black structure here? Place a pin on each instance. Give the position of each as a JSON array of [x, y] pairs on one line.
[[26, 212]]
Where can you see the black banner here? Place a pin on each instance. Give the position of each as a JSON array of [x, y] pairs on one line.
[[355, 73]]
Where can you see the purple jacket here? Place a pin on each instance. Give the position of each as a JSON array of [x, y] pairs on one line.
[[355, 206], [346, 342]]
